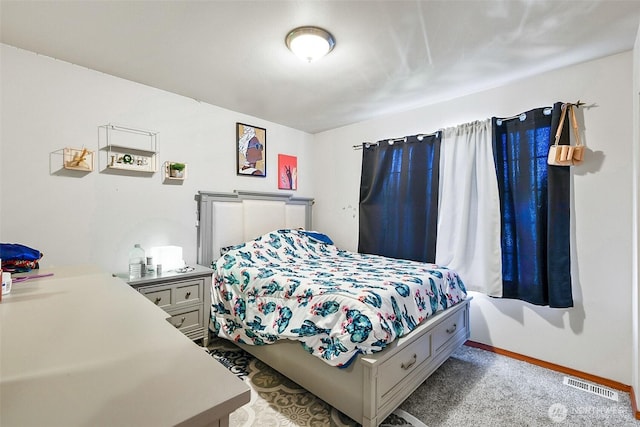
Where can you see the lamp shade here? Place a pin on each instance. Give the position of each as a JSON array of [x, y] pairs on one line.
[[310, 43]]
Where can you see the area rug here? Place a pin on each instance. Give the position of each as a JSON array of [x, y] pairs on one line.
[[278, 401]]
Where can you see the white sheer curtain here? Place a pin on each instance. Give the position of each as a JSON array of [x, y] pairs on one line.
[[469, 208]]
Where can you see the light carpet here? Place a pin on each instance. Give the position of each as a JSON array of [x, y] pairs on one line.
[[475, 387], [278, 401]]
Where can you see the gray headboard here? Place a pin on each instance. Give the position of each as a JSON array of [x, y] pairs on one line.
[[226, 219]]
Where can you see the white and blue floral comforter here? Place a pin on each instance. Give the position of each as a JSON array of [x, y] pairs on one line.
[[295, 284]]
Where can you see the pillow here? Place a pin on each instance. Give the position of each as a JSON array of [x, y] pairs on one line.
[[322, 238]]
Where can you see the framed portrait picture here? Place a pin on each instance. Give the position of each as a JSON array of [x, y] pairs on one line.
[[287, 172], [251, 149]]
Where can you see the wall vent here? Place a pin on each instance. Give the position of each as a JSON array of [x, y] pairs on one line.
[[591, 388]]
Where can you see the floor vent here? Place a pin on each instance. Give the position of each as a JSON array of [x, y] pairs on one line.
[[591, 388]]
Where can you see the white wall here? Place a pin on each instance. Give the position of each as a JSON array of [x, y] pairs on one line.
[[595, 335], [96, 218]]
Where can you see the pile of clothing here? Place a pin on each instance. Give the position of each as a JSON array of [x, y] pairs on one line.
[[18, 258]]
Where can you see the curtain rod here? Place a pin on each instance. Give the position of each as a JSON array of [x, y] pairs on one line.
[[392, 141], [499, 121], [523, 116]]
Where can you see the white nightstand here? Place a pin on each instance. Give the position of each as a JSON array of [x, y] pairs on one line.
[[184, 296]]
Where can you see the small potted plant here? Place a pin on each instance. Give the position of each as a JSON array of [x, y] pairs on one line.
[[176, 170]]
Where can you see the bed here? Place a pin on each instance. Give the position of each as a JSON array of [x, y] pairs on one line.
[[347, 341]]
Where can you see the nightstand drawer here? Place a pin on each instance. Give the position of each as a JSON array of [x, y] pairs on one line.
[[189, 292], [175, 295], [160, 297], [187, 319]]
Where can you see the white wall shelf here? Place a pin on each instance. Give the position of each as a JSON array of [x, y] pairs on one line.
[[129, 149], [78, 159]]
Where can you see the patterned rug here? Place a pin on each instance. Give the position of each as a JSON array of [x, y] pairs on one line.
[[278, 401]]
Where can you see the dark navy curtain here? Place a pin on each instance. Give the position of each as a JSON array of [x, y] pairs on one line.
[[399, 198], [534, 203]]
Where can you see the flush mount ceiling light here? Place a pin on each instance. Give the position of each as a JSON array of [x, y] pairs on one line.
[[310, 43]]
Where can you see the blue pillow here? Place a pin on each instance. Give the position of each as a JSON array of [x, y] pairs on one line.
[[322, 238]]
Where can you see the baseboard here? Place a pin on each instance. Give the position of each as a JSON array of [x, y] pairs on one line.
[[634, 407], [563, 369]]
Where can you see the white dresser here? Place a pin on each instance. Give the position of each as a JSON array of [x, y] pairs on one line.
[[82, 348]]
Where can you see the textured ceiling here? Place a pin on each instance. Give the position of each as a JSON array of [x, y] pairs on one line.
[[390, 56]]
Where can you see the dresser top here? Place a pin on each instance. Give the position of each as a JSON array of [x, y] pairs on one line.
[[84, 348]]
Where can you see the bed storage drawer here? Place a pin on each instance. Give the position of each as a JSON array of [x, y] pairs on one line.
[[391, 375], [449, 329], [394, 370]]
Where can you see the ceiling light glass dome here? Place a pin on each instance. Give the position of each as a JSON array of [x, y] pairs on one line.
[[310, 43]]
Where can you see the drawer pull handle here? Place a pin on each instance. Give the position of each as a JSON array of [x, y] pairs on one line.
[[158, 299], [452, 330], [180, 324], [187, 295], [409, 364]]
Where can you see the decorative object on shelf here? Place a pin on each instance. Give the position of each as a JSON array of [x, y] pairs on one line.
[[78, 159], [287, 172], [128, 149], [251, 149], [175, 171]]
